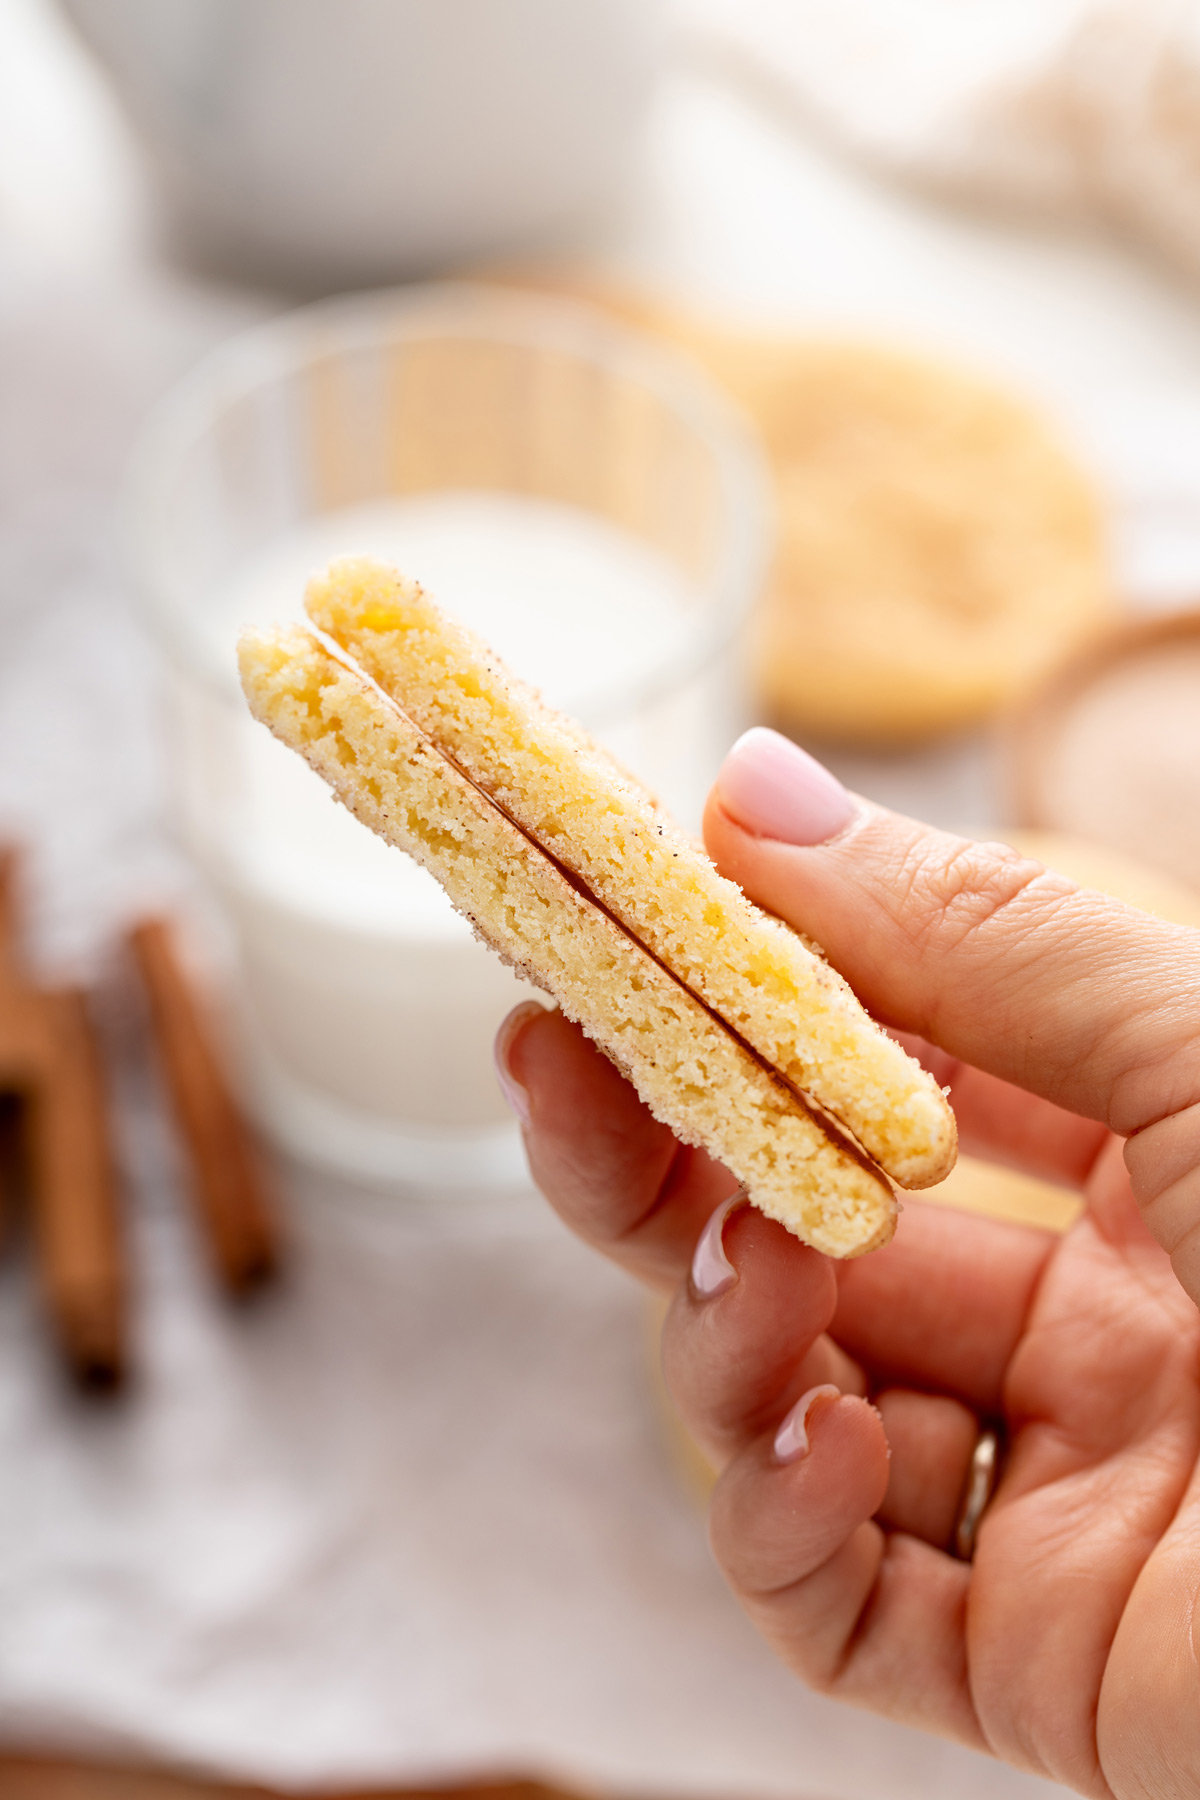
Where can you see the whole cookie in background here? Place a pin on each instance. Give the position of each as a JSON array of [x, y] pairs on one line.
[[938, 550]]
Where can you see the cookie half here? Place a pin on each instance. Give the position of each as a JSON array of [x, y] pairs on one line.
[[769, 986], [692, 1071]]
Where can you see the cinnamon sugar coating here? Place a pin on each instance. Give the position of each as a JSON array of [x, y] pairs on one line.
[[692, 1072], [771, 986]]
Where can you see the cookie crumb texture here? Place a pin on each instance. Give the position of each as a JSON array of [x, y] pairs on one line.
[[688, 1069], [774, 989]]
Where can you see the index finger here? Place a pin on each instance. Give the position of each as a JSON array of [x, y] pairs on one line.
[[1064, 991]]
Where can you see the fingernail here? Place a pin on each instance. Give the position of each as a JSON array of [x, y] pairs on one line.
[[773, 788], [712, 1271], [516, 1094], [791, 1440]]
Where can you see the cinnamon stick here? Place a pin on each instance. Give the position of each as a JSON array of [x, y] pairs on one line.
[[9, 955], [26, 1033], [10, 1040], [227, 1186], [50, 1067], [10, 1163], [77, 1227]]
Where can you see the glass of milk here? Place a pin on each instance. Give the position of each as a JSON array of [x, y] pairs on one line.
[[591, 505]]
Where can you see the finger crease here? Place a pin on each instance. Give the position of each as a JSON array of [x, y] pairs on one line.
[[668, 1187]]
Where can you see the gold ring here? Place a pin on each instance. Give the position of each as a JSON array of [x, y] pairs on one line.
[[978, 1489]]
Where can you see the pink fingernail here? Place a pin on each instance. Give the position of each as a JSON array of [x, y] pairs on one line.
[[516, 1094], [712, 1271], [791, 1440], [773, 788]]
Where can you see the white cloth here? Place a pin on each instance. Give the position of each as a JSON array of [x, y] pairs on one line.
[[413, 1516], [1063, 105]]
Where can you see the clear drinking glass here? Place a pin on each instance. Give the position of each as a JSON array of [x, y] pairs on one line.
[[589, 501]]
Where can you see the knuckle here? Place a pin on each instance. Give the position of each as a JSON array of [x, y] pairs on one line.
[[820, 1668], [724, 1537], [1185, 1259], [759, 1550], [961, 888], [743, 1546]]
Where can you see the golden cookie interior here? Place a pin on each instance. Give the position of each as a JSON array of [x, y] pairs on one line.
[[765, 981], [733, 1029]]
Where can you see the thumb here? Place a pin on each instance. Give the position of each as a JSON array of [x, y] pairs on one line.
[[1064, 991]]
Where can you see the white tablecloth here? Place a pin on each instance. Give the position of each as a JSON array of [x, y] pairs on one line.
[[413, 1515]]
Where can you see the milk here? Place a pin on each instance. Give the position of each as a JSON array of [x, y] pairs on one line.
[[369, 1008], [574, 605], [583, 611]]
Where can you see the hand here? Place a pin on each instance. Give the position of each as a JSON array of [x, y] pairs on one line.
[[1064, 1023]]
